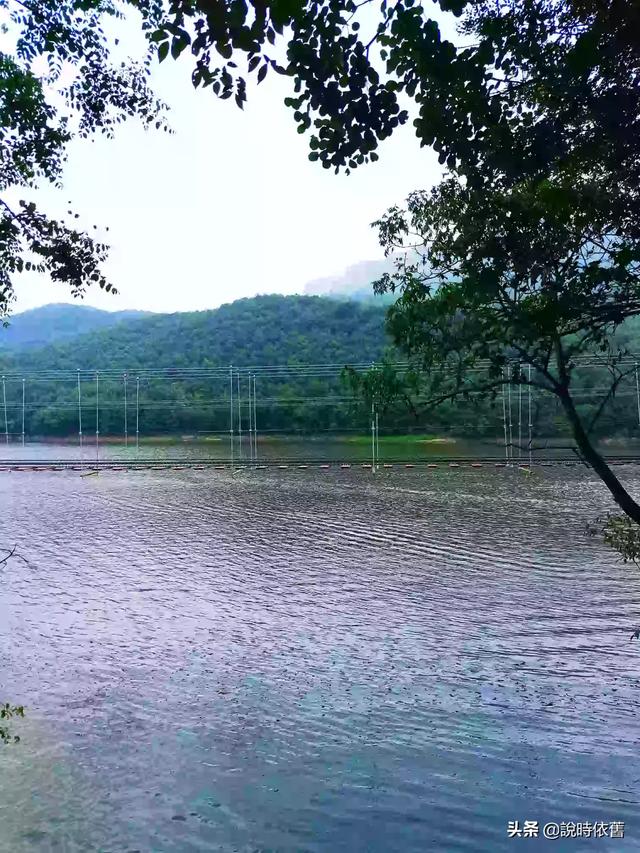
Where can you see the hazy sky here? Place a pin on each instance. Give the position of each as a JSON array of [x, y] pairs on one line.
[[228, 206]]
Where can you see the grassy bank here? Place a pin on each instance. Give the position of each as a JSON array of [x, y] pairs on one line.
[[146, 440], [400, 439]]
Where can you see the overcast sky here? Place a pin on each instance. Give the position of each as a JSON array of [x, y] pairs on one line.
[[228, 206]]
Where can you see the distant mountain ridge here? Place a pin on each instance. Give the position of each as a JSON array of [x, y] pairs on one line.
[[260, 330], [356, 282], [58, 322]]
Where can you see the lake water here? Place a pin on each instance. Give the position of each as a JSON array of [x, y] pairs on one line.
[[311, 448], [305, 661]]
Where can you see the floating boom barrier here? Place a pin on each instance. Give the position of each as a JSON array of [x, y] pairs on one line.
[[444, 464]]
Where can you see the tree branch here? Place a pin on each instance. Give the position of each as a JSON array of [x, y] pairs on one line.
[[610, 393], [11, 552]]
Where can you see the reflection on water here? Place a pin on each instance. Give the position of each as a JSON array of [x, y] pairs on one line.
[[296, 661], [304, 448], [284, 448]]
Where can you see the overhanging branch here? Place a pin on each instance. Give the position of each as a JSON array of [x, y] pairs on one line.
[[610, 393]]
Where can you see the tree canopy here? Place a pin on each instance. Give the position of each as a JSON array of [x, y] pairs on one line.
[[60, 79], [530, 260], [526, 83]]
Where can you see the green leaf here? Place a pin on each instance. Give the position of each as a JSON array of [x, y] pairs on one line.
[[177, 46]]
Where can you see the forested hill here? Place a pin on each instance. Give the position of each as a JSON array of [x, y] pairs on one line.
[[263, 331], [55, 323], [269, 330]]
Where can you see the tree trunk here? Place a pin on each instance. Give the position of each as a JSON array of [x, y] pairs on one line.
[[597, 462]]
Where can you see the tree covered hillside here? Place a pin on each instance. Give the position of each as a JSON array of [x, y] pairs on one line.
[[262, 330], [55, 323]]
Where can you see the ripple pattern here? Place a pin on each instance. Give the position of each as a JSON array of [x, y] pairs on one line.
[[295, 661]]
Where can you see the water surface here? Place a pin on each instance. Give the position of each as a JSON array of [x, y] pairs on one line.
[[314, 661], [300, 448]]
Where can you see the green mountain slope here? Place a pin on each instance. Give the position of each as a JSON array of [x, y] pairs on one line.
[[55, 323], [265, 330]]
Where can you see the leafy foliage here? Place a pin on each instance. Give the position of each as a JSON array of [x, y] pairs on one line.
[[528, 253], [336, 84], [8, 711], [530, 82], [510, 274], [620, 533], [60, 81], [516, 284]]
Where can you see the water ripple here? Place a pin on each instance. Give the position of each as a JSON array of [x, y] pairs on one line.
[[291, 661]]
